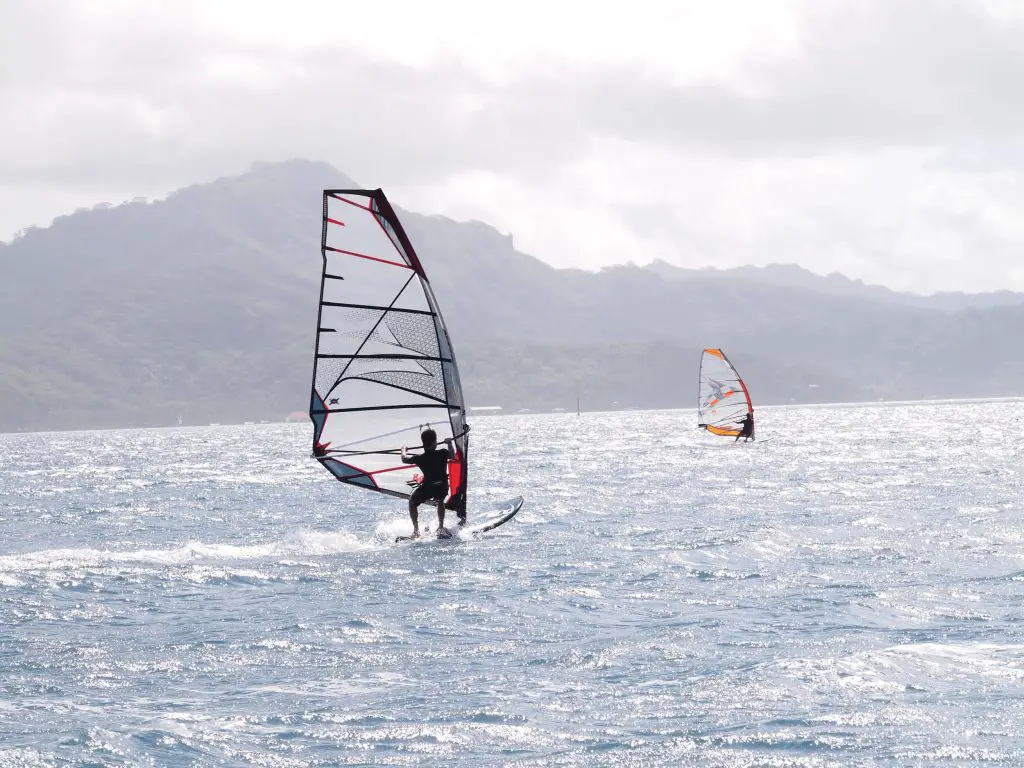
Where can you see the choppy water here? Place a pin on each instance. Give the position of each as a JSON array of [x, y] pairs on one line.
[[848, 593]]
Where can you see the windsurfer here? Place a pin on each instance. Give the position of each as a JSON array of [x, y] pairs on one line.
[[746, 429], [433, 463]]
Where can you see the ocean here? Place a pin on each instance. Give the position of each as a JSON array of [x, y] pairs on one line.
[[847, 592]]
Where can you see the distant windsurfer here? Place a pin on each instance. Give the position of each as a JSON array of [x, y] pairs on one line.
[[746, 428], [433, 463]]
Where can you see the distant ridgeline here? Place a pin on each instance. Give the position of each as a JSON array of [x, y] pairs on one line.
[[203, 307]]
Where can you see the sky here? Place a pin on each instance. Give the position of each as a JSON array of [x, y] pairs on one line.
[[883, 139]]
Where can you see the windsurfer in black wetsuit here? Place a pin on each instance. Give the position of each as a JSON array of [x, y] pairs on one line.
[[746, 428], [433, 463]]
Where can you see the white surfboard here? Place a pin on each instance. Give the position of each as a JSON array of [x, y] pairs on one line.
[[500, 515]]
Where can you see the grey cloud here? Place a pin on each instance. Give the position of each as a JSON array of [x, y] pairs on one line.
[[34, 43], [871, 73], [136, 101], [981, 155], [128, 108], [136, 104]]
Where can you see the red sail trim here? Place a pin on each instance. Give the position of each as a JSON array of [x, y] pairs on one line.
[[335, 221], [362, 472], [454, 474], [750, 405], [389, 469], [366, 256], [743, 386], [385, 210]]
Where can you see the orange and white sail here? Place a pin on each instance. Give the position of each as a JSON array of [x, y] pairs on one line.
[[723, 400]]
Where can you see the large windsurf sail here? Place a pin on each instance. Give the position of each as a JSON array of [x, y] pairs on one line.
[[384, 368], [723, 400]]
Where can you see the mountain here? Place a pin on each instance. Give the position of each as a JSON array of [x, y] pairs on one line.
[[203, 305], [198, 305], [835, 284]]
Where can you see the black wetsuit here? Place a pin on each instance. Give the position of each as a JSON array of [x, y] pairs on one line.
[[746, 427], [434, 466]]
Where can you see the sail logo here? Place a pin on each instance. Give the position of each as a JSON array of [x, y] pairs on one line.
[[718, 393]]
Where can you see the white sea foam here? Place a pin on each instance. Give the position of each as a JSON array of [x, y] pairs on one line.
[[297, 543]]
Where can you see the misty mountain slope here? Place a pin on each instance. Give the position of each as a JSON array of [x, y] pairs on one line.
[[629, 374], [199, 303], [793, 276], [204, 305]]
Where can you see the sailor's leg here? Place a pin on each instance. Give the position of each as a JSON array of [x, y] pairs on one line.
[[440, 513], [458, 504], [414, 516], [414, 503]]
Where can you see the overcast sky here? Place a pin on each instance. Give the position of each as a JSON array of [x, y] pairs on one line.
[[880, 138]]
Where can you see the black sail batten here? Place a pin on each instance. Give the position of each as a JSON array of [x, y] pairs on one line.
[[383, 356], [383, 362], [384, 408], [374, 306]]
